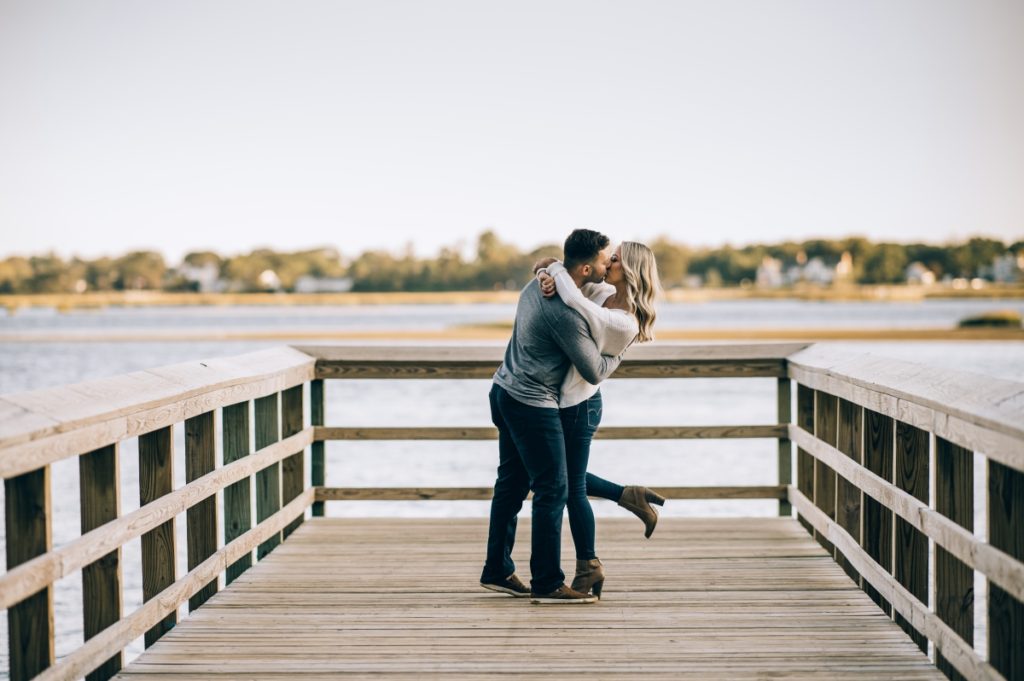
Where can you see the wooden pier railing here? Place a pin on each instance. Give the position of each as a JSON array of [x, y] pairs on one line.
[[864, 428]]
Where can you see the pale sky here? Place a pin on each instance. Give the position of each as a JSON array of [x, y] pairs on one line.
[[368, 124]]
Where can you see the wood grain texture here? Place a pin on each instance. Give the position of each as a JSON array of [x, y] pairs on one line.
[[100, 502], [879, 445], [156, 478], [804, 461], [293, 468], [268, 481], [716, 599], [784, 413], [201, 519], [485, 493], [28, 517], [1006, 533], [910, 558], [850, 440], [604, 433], [954, 579], [238, 495], [318, 462], [826, 423]]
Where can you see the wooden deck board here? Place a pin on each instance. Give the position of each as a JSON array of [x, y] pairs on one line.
[[388, 598]]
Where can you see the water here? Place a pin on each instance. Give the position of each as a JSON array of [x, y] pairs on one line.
[[31, 365]]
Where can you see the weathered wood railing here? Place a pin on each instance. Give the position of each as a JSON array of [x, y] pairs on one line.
[[851, 420], [870, 432]]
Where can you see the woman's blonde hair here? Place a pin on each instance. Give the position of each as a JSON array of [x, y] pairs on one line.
[[641, 273]]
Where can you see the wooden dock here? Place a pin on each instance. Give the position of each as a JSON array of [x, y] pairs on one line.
[[736, 598]]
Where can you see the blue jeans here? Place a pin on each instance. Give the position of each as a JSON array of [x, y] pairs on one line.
[[531, 451], [579, 423]]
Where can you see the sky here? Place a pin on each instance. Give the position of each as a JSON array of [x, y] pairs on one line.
[[230, 125]]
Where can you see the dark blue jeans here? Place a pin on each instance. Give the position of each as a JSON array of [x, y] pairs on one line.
[[579, 423], [531, 451]]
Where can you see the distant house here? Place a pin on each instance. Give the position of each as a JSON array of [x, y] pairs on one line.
[[769, 273], [917, 273], [308, 284], [1008, 268], [817, 272], [205, 277], [269, 280]]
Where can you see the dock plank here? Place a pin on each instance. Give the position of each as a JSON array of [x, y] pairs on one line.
[[729, 598]]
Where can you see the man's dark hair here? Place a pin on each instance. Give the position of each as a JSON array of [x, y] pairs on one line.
[[582, 247]]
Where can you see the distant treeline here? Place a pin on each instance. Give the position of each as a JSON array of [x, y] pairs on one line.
[[496, 265]]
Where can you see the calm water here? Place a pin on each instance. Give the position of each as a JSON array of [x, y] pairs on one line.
[[26, 366]]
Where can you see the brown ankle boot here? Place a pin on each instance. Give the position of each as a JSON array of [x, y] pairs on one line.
[[589, 576], [638, 500]]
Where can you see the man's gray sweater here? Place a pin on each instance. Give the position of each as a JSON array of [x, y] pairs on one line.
[[547, 337]]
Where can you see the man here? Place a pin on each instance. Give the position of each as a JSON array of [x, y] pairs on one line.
[[546, 337]]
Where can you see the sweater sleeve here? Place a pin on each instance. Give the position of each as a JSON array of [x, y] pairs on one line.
[[597, 317]]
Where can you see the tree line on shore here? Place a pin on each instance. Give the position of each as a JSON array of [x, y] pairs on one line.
[[495, 264]]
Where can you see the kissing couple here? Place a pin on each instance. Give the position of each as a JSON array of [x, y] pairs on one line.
[[574, 321]]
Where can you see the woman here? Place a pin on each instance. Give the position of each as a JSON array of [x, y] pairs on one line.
[[618, 311]]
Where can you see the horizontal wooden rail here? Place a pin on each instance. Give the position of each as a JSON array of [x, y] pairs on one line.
[[43, 426], [604, 433], [97, 649], [30, 577], [959, 653], [1001, 568], [658, 361], [485, 493]]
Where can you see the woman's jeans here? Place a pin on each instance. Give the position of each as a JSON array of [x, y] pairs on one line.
[[579, 423]]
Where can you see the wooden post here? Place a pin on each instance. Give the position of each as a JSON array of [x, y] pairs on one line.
[[238, 495], [784, 395], [877, 529], [100, 502], [1006, 533], [804, 461], [848, 495], [156, 478], [317, 463], [29, 534], [911, 557], [954, 580], [826, 419], [200, 459], [293, 469], [268, 480]]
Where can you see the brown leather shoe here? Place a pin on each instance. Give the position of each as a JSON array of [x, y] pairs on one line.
[[589, 577], [563, 595], [511, 585], [638, 500]]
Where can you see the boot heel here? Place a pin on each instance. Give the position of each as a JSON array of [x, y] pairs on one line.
[[597, 589], [655, 498]]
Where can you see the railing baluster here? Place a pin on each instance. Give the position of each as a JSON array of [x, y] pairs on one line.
[[877, 534], [293, 470], [200, 459], [28, 525], [100, 501], [317, 461], [954, 581], [911, 557], [268, 480], [848, 496], [784, 398], [1006, 533], [237, 496], [804, 461], [826, 418], [156, 478]]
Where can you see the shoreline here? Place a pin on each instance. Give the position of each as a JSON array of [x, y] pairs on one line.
[[501, 332], [99, 300]]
